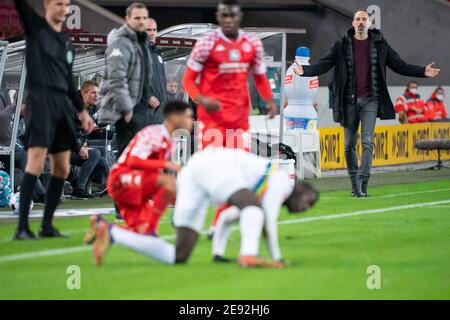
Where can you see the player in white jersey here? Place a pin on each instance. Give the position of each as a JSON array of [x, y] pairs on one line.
[[217, 176], [279, 187]]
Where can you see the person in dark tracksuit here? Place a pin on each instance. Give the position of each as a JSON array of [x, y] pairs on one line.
[[360, 92], [158, 95], [51, 97]]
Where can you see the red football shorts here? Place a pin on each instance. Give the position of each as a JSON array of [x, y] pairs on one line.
[[131, 191]]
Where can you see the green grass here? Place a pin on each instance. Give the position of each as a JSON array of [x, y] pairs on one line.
[[329, 258]]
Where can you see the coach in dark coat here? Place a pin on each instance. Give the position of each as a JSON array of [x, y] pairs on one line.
[[360, 92]]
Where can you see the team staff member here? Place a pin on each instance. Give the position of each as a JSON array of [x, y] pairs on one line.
[[124, 89], [172, 90], [411, 105], [49, 123], [436, 107], [158, 93]]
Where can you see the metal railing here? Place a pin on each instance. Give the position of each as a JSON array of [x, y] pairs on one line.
[[7, 49]]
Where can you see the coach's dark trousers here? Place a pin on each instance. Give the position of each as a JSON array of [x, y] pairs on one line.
[[365, 111]]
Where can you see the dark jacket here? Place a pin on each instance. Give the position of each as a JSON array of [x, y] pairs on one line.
[[340, 56], [157, 84]]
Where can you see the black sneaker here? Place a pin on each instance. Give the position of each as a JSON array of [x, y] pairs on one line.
[[24, 235], [220, 259], [356, 187], [364, 182], [100, 194], [68, 189], [51, 233], [81, 193], [356, 194]]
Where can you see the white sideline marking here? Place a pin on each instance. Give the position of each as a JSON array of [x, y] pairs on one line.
[[43, 253], [75, 231], [363, 212], [392, 195], [62, 213], [53, 252]]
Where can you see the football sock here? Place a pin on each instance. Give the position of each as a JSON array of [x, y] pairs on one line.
[[26, 193], [251, 224], [149, 246], [162, 199], [54, 189], [223, 230], [219, 211]]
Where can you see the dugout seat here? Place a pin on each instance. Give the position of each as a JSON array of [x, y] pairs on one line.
[[434, 145]]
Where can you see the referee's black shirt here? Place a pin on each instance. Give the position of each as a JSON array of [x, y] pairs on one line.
[[49, 55]]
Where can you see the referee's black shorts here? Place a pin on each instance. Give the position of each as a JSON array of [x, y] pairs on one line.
[[49, 122]]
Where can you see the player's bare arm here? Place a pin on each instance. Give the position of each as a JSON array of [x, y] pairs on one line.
[[272, 108], [210, 104], [172, 166]]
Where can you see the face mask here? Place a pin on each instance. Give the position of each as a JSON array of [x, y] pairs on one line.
[[440, 97], [413, 91]]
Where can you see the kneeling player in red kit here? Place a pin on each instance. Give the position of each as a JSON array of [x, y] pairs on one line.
[[139, 174]]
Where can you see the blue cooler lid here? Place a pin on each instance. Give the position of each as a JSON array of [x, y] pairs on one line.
[[302, 52]]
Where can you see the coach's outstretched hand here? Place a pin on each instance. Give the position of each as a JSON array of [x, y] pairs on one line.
[[86, 121], [298, 69], [431, 72]]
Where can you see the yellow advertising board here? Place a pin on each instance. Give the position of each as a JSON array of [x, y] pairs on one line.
[[392, 144]]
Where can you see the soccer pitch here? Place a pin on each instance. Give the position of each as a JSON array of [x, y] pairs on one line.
[[404, 229]]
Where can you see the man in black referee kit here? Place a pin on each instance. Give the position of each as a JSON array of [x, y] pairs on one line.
[[49, 126]]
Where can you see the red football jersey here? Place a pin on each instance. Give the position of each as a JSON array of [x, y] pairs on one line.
[[151, 143], [224, 65]]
